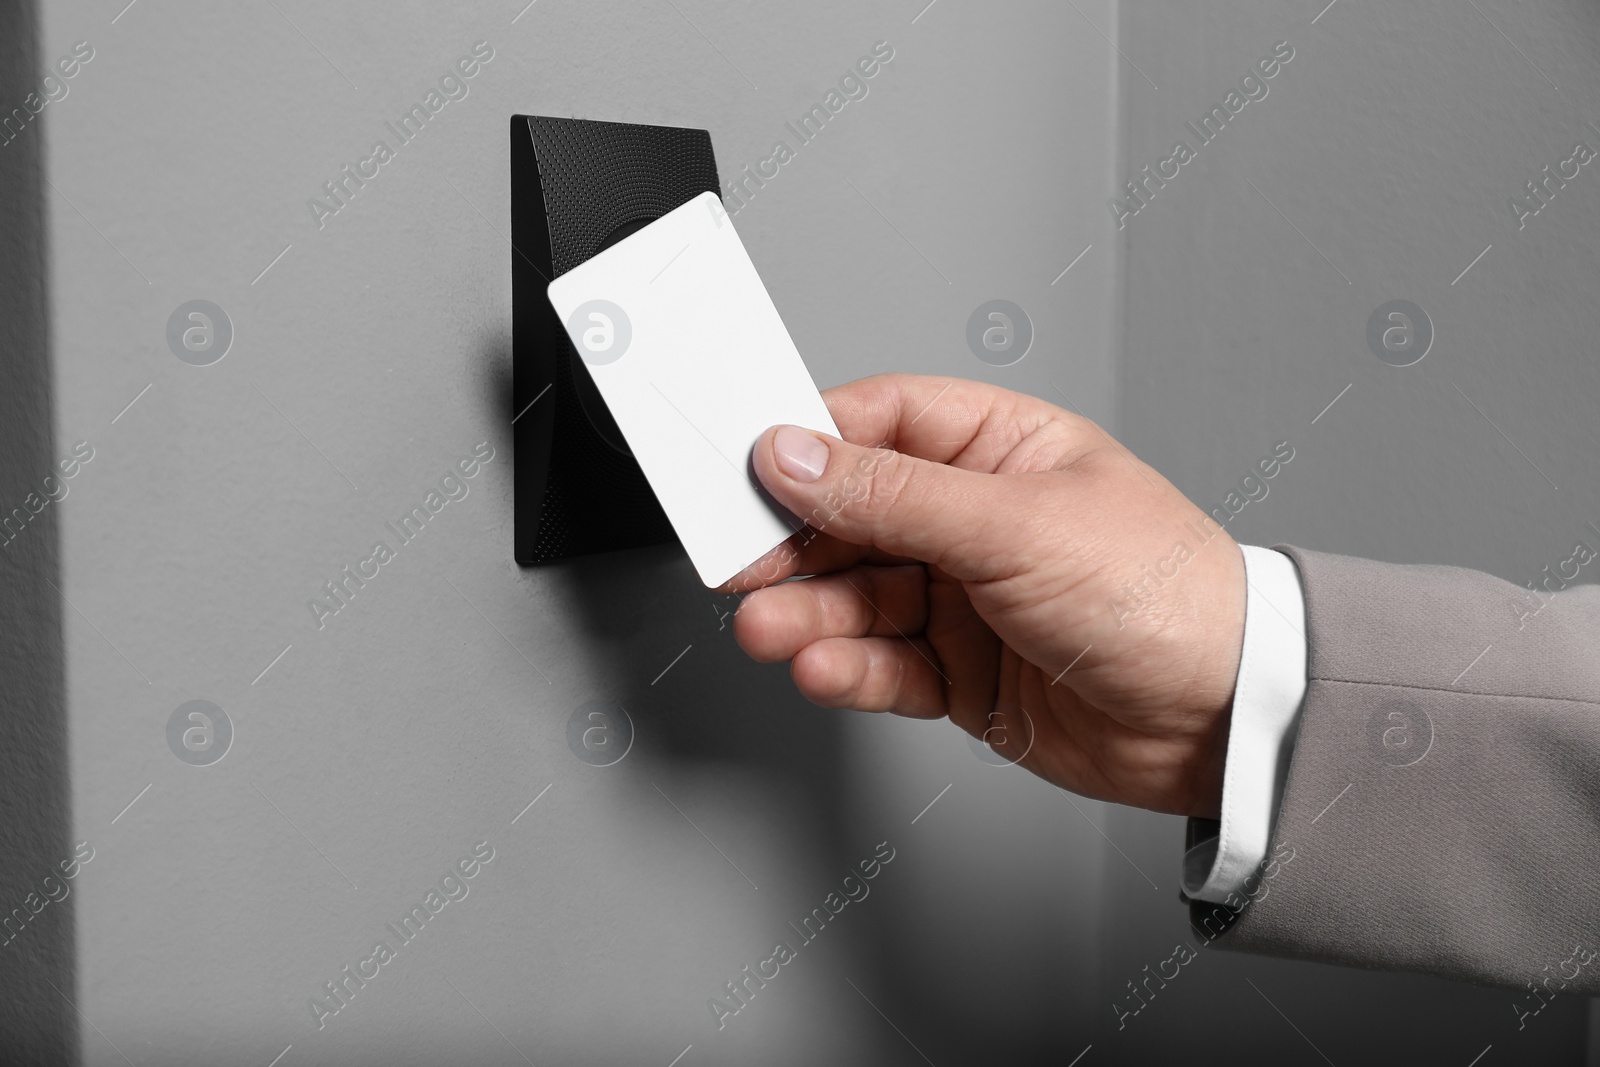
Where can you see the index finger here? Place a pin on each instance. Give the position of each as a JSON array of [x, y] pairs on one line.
[[809, 552]]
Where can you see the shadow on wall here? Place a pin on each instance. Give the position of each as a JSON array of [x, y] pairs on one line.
[[37, 1022], [725, 718]]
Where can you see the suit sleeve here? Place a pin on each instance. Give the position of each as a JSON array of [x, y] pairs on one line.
[[1442, 807]]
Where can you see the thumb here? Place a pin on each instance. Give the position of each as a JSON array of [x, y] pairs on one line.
[[901, 504]]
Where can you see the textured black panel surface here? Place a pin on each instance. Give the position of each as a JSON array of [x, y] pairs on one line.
[[575, 184], [596, 176]]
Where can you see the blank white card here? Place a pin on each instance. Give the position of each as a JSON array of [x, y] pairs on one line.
[[694, 362]]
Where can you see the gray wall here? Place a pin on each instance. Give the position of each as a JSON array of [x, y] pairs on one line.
[[1390, 144], [371, 754]]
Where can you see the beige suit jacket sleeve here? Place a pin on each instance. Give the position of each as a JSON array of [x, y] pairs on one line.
[[1442, 810]]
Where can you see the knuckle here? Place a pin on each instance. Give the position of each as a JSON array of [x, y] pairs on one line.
[[891, 488], [834, 613]]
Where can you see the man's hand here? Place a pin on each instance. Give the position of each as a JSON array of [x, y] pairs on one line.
[[987, 556]]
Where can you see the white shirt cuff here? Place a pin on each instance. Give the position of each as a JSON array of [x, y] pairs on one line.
[[1266, 716]]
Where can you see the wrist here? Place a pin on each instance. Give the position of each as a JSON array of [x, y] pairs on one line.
[[1208, 765], [1222, 629]]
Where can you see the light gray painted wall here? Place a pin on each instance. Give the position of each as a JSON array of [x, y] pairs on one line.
[[1382, 159], [372, 354], [378, 750]]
